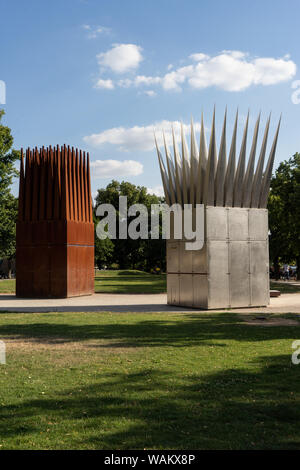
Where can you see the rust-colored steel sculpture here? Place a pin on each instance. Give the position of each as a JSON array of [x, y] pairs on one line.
[[55, 230]]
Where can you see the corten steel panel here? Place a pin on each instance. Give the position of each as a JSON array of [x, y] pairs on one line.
[[173, 256], [173, 289], [55, 230], [259, 277], [239, 268], [238, 224], [258, 224]]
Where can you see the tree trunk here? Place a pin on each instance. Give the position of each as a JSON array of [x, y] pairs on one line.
[[9, 267]]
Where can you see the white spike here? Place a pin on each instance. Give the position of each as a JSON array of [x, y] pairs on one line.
[[185, 168], [171, 172], [268, 172], [194, 165], [178, 169], [257, 181], [230, 173], [202, 164], [206, 179], [248, 179], [221, 168], [209, 183], [239, 176], [163, 173]]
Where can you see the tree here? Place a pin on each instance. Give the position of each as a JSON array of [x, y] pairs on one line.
[[284, 213], [138, 254], [8, 203]]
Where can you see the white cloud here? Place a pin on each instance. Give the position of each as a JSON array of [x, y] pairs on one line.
[[121, 58], [157, 190], [94, 31], [269, 71], [115, 168], [138, 137], [150, 93], [107, 84], [198, 56], [229, 70]]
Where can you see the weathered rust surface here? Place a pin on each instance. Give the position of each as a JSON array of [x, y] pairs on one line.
[[55, 230]]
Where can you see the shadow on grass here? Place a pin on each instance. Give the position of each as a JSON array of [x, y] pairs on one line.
[[233, 409], [183, 331], [285, 287]]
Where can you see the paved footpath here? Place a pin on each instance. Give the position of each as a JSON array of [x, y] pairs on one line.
[[130, 303]]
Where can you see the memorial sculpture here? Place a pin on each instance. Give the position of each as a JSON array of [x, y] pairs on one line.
[[55, 230], [232, 268]]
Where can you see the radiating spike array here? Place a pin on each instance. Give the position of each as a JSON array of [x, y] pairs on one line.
[[198, 176], [55, 185]]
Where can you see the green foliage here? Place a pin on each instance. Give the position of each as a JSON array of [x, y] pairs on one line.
[[284, 212], [134, 254], [8, 203], [104, 250]]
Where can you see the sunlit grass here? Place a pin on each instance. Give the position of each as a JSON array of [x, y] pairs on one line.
[[147, 381]]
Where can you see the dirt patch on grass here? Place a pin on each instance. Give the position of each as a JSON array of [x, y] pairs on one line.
[[269, 320], [50, 343]]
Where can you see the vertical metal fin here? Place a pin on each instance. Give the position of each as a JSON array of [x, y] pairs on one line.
[[240, 172], [230, 173], [171, 176], [162, 172], [268, 172], [43, 186], [178, 170], [202, 164], [256, 187], [209, 183], [89, 192], [221, 168], [248, 179], [185, 167], [21, 189], [194, 162]]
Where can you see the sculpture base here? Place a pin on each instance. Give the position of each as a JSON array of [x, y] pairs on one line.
[[54, 259], [231, 270]]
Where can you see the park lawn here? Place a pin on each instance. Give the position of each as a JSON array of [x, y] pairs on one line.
[[114, 281], [136, 282], [129, 282], [285, 287], [147, 381], [7, 286]]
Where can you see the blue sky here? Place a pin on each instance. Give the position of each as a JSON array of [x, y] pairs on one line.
[[100, 74]]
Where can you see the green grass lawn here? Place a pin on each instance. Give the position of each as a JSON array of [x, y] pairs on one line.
[[130, 282], [285, 287], [7, 286], [122, 282], [147, 381], [135, 282]]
